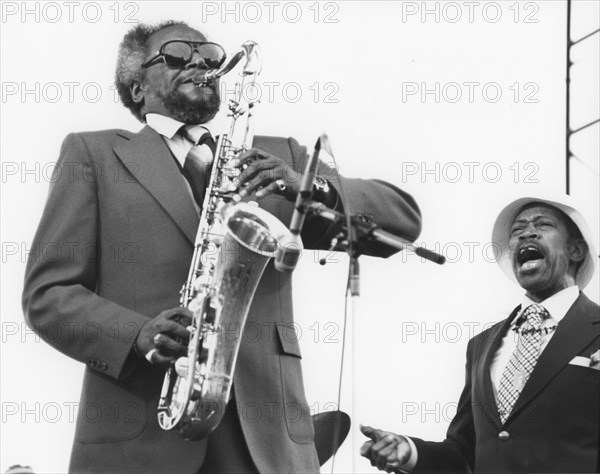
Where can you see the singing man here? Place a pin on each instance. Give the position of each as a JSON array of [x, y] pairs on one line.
[[531, 402]]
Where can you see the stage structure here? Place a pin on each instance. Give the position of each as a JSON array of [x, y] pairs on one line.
[[570, 132]]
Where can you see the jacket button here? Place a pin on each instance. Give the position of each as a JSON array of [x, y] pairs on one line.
[[504, 435]]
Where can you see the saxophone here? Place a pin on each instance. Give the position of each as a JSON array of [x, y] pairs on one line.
[[233, 245]]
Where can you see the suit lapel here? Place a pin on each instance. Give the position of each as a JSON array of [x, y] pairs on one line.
[[151, 163], [483, 382], [574, 332]]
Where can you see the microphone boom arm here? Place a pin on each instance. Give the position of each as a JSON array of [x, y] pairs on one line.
[[371, 231]]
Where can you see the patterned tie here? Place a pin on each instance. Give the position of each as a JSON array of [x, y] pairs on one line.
[[196, 167], [523, 359]]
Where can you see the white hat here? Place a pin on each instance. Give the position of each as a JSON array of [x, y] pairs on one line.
[[504, 221]]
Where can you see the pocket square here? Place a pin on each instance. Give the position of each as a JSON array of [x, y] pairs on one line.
[[581, 361], [593, 362]]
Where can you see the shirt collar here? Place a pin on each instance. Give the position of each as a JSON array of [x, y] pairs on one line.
[[557, 305], [168, 126]]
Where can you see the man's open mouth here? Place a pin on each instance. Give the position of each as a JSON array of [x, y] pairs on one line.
[[529, 256]]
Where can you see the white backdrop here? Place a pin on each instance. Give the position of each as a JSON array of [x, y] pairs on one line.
[[461, 104]]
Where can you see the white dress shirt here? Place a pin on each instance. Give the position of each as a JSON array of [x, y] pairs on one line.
[[168, 128]]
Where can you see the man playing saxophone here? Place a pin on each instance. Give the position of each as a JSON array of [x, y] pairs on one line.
[[134, 199]]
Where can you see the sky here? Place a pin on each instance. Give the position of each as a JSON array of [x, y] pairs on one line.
[[461, 104]]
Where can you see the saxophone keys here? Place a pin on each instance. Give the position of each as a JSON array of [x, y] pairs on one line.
[[182, 366], [196, 393], [203, 356]]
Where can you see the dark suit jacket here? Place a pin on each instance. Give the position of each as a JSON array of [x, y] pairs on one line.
[[120, 212], [554, 426]]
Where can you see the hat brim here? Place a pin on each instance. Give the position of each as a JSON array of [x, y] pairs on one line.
[[501, 237]]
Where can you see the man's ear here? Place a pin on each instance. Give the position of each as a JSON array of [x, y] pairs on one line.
[[578, 249], [137, 92]]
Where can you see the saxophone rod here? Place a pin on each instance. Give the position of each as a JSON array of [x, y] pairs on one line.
[[373, 231]]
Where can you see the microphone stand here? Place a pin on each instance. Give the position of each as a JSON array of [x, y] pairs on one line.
[[354, 230], [361, 231]]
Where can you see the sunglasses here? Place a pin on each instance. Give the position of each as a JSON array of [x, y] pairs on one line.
[[178, 54]]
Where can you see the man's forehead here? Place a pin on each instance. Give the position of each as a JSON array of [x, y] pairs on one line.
[[535, 210], [175, 32]]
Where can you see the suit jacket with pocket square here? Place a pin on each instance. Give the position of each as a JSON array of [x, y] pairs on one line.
[[554, 425]]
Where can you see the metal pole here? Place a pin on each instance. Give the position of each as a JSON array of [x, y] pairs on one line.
[[568, 105]]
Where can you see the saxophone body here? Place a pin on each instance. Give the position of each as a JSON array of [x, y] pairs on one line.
[[233, 245]]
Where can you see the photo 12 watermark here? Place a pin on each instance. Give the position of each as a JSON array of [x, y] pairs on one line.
[[469, 172], [270, 12], [69, 12], [470, 12], [469, 92]]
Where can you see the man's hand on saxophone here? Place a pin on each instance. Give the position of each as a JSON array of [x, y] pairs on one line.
[[266, 174], [159, 339]]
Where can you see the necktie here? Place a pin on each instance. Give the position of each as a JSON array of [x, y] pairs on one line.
[[523, 359], [196, 167], [199, 136]]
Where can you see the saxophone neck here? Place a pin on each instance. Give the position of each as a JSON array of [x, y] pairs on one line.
[[248, 50]]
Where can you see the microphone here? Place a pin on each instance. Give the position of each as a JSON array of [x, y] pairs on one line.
[[290, 249], [306, 190]]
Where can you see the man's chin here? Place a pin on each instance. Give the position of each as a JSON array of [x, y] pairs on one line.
[[195, 108], [194, 115], [533, 282]]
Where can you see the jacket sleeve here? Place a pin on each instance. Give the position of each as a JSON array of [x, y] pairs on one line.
[[456, 454], [59, 299], [372, 201]]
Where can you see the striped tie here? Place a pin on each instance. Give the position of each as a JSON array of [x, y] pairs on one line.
[[523, 359]]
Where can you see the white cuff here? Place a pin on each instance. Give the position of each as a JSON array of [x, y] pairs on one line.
[[410, 464], [149, 355]]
